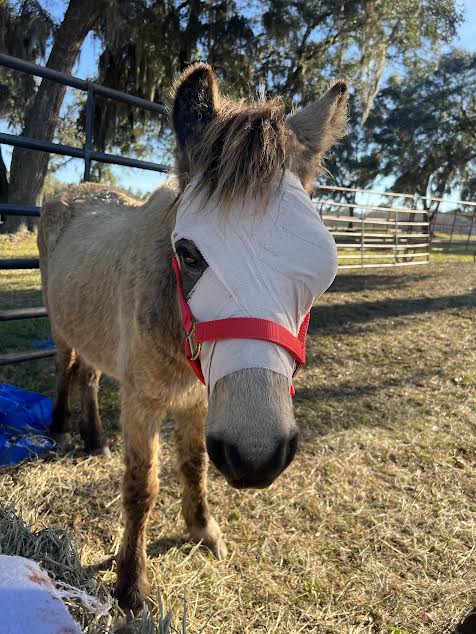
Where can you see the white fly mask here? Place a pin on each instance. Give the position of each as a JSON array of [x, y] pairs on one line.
[[271, 263]]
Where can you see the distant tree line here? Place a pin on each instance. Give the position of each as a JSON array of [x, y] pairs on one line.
[[413, 108]]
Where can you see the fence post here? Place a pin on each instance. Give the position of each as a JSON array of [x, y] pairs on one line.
[[88, 146], [428, 237], [362, 239], [470, 231], [453, 225], [395, 258]]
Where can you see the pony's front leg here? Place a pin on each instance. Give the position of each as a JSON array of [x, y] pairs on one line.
[[140, 423], [193, 467]]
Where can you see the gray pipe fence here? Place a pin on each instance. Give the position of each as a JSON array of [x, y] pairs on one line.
[[86, 153]]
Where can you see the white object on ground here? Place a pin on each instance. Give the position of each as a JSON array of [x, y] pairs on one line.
[[29, 600]]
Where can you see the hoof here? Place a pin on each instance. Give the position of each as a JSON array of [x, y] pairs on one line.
[[219, 549], [211, 537], [131, 597], [104, 452], [97, 449], [63, 441]]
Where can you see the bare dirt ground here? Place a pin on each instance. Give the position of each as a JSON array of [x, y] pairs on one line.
[[372, 528]]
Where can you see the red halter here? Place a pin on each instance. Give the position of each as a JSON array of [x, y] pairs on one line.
[[235, 328]]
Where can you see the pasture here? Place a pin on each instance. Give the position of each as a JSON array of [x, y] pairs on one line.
[[372, 528]]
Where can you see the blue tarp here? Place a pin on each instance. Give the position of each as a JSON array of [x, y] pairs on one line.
[[43, 344], [25, 418]]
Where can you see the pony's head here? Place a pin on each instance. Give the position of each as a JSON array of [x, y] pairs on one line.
[[250, 244]]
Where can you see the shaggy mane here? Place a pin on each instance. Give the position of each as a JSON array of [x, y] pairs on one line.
[[243, 150]]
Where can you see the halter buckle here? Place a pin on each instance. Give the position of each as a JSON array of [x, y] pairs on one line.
[[194, 347]]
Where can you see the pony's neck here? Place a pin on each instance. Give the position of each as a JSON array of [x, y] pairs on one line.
[[153, 281]]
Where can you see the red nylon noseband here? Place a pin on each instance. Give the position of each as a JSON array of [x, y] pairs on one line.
[[235, 328]]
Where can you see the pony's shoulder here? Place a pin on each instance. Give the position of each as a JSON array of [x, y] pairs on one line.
[[164, 196], [88, 203], [92, 193]]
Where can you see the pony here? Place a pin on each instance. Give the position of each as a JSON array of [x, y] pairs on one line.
[[114, 304]]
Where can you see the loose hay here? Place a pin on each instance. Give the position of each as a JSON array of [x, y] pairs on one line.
[[53, 549]]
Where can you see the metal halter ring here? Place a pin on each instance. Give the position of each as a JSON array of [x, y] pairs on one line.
[[195, 348], [297, 368]]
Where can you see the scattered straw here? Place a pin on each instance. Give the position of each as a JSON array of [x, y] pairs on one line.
[[53, 549]]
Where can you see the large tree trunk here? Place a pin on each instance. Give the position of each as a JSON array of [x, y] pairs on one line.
[[29, 168]]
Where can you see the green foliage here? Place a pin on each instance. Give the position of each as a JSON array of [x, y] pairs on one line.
[[293, 48], [417, 126], [314, 591], [423, 128], [25, 29]]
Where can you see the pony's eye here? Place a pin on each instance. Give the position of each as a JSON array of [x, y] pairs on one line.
[[189, 260]]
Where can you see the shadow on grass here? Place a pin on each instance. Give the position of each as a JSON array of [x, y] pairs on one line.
[[327, 404], [100, 566], [352, 389], [20, 298], [37, 376], [326, 318], [23, 336], [163, 545], [345, 283]]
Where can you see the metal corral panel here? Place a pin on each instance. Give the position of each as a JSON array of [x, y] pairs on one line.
[[369, 235]]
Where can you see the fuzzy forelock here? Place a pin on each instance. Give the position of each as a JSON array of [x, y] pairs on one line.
[[242, 152], [239, 150]]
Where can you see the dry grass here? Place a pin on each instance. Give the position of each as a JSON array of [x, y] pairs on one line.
[[372, 528]]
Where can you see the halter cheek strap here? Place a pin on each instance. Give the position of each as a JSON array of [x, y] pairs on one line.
[[235, 328]]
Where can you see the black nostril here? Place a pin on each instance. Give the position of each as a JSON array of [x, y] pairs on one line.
[[291, 451], [275, 464], [235, 461], [216, 451], [241, 470], [226, 458]]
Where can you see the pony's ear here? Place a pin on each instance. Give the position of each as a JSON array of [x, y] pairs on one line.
[[317, 127], [195, 103]]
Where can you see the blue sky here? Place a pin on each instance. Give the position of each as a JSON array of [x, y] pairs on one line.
[[144, 181], [467, 32]]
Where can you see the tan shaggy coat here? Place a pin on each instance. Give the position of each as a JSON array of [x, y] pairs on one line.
[[105, 262]]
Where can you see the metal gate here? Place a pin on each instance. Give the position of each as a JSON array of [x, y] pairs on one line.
[[375, 236], [87, 153], [453, 229]]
